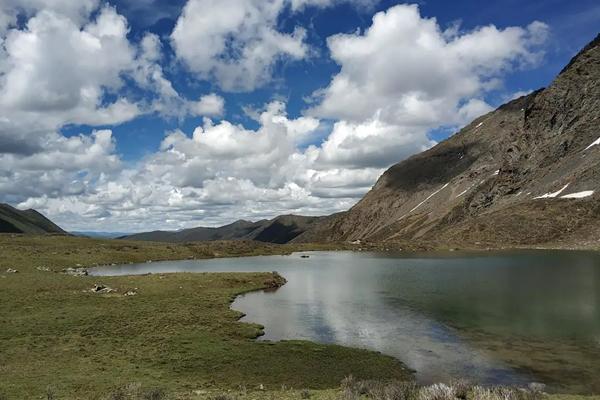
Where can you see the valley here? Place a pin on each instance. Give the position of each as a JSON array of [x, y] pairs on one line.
[[447, 269]]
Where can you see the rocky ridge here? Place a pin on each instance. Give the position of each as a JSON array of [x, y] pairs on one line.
[[525, 174]]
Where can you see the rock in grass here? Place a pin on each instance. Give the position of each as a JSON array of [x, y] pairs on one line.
[[275, 281], [11, 271], [100, 288]]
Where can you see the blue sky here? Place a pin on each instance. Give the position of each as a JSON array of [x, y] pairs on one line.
[[300, 111], [572, 23]]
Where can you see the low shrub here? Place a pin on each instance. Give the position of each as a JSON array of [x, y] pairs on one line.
[[154, 394], [395, 391], [461, 388], [439, 391]]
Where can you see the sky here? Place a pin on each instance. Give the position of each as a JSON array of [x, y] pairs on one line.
[[127, 116]]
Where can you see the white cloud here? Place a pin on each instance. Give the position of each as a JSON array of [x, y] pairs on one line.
[[77, 11], [222, 172], [148, 73], [59, 67], [410, 73], [226, 150], [210, 105], [369, 144], [67, 166], [399, 79], [55, 66], [235, 41], [471, 110], [57, 72]]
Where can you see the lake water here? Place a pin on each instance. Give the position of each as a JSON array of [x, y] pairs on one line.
[[501, 318]]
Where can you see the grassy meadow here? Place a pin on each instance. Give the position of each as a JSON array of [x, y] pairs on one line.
[[176, 335], [173, 336]]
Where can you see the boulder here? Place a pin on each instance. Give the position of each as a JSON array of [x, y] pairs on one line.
[[100, 288]]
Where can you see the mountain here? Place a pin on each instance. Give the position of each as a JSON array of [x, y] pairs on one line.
[[284, 228], [527, 173], [28, 221], [281, 229]]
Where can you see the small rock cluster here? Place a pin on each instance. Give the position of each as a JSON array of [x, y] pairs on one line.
[[100, 288], [75, 271], [11, 271]]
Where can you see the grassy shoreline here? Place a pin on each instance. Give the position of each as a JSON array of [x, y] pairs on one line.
[[177, 333]]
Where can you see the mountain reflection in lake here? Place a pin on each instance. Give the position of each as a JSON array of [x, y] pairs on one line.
[[504, 318]]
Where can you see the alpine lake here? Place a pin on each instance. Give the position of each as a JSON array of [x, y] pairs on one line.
[[508, 318]]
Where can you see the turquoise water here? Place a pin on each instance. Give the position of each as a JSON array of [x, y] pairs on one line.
[[502, 318]]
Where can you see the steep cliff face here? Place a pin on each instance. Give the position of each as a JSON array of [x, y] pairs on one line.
[[525, 173]]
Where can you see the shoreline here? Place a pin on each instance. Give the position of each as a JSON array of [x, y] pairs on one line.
[[178, 332], [74, 251]]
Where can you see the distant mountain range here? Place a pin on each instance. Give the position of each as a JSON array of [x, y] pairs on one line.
[[28, 221], [99, 235], [527, 174], [282, 229]]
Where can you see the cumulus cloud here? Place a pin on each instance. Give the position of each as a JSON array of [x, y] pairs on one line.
[[220, 172], [67, 166], [398, 79], [404, 76], [55, 66], [225, 150], [66, 64], [235, 41], [210, 105], [369, 144], [58, 70], [77, 11], [409, 72]]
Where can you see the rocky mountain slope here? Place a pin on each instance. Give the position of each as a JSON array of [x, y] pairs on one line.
[[28, 221], [281, 229], [527, 173]]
